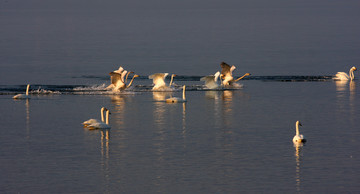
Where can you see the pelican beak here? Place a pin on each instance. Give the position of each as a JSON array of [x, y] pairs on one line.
[[136, 75], [300, 124]]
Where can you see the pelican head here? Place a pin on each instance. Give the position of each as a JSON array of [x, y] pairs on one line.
[[353, 68]]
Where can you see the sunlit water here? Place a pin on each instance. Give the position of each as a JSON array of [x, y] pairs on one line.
[[224, 141], [219, 141]]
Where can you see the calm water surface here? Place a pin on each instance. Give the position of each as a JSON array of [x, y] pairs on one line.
[[219, 141], [234, 141]]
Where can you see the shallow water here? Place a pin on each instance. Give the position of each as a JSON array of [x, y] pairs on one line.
[[225, 141]]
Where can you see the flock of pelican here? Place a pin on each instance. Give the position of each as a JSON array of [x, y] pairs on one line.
[[119, 82]]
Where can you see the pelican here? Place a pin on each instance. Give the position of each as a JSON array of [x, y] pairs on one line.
[[23, 96], [101, 125], [226, 73], [176, 99], [233, 81], [298, 138], [119, 83], [159, 81], [91, 121], [211, 80], [344, 76]]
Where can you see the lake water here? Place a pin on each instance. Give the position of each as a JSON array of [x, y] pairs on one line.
[[227, 141]]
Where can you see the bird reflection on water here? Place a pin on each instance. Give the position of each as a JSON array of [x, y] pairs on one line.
[[298, 147]]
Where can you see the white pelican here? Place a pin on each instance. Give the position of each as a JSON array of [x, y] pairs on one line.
[[226, 73], [91, 121], [23, 96], [159, 81], [211, 80], [176, 99], [101, 125], [298, 138], [233, 81], [119, 83], [345, 76]]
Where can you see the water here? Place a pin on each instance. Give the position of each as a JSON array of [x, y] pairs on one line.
[[227, 141]]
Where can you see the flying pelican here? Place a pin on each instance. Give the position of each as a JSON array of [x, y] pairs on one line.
[[344, 76], [101, 125], [176, 99], [298, 138], [226, 73], [211, 80], [23, 96], [159, 81], [91, 121], [119, 83], [233, 81]]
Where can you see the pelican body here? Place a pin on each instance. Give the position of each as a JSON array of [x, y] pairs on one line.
[[23, 96], [176, 99], [298, 138], [342, 76]]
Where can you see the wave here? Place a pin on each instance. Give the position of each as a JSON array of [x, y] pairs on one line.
[[100, 89]]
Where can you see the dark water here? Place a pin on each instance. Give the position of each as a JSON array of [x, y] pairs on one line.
[[227, 141]]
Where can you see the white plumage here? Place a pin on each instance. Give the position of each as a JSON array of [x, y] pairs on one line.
[[211, 80], [101, 125], [298, 138], [92, 121], [23, 96], [159, 81], [342, 76]]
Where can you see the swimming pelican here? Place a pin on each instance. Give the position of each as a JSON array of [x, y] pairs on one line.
[[91, 121], [159, 81], [119, 83], [226, 73], [101, 125], [298, 138], [23, 96], [176, 99], [211, 80], [233, 81], [345, 76]]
